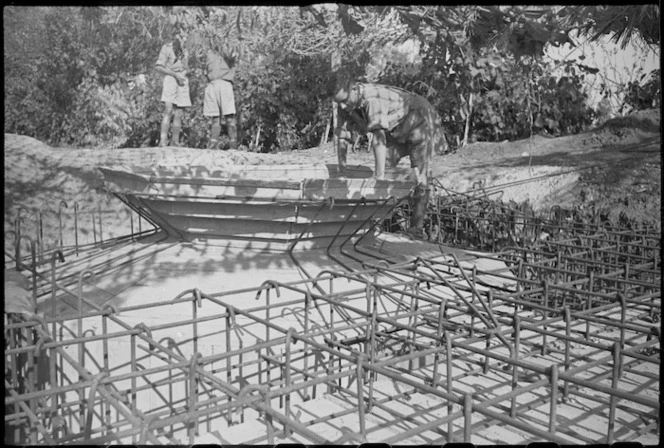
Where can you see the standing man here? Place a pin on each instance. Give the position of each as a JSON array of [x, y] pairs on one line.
[[402, 124], [219, 98], [175, 92]]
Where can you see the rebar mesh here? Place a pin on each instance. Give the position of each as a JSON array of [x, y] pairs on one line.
[[555, 336]]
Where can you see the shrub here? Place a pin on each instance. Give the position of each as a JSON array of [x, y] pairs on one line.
[[511, 100], [646, 96]]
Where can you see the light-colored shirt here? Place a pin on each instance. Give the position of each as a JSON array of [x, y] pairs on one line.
[[217, 67], [167, 59]]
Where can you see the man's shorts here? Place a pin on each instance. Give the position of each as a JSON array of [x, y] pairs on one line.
[[219, 98], [174, 93]]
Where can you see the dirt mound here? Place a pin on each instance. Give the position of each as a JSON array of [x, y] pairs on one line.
[[615, 168]]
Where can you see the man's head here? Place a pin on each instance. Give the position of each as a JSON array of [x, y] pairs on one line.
[[229, 52], [343, 83]]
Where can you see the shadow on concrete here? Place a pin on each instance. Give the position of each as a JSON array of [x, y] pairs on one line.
[[151, 270]]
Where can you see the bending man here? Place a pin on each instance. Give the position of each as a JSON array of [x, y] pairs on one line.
[[402, 124]]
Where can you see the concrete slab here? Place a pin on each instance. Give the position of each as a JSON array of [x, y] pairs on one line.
[[157, 269]]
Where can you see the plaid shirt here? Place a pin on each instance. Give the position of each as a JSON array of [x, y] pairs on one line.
[[379, 107], [404, 116], [386, 107]]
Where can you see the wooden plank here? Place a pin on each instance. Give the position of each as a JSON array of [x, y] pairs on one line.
[[117, 180], [151, 216], [140, 182], [212, 227], [293, 212], [340, 212], [356, 194], [223, 209], [316, 189], [312, 188], [277, 172], [222, 192], [250, 183], [262, 172]]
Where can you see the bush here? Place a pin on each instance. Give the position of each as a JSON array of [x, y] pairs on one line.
[[75, 89], [511, 100], [289, 100], [647, 96]]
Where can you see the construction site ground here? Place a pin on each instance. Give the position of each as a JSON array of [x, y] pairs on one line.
[[616, 168]]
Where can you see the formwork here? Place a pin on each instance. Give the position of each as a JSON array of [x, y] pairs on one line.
[[272, 205], [554, 335]]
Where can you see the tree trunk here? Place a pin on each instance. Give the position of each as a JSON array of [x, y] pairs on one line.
[[470, 112], [336, 65], [258, 134]]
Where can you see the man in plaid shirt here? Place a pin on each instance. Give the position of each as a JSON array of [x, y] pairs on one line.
[[402, 124]]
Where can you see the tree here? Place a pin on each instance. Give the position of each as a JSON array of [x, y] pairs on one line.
[[622, 23], [69, 72]]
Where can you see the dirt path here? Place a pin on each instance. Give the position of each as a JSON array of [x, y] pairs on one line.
[[617, 166]]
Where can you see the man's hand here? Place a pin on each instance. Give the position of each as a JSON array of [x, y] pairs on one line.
[[230, 54], [181, 79]]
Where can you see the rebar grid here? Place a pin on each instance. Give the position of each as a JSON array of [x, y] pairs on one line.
[[560, 330], [71, 228], [365, 344], [479, 219]]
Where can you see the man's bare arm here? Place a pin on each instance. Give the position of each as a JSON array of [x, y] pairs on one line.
[[179, 77]]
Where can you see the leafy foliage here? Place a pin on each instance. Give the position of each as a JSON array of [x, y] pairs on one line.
[[511, 98], [645, 96], [286, 100], [72, 75], [623, 23]]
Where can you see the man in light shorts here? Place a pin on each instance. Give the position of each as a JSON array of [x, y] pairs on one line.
[[172, 63], [219, 101]]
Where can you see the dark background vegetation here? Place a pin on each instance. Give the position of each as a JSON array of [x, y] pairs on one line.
[[72, 73]]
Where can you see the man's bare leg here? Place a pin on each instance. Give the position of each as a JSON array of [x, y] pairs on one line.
[[420, 199], [380, 153], [342, 140], [215, 131], [165, 124], [177, 126], [231, 123]]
